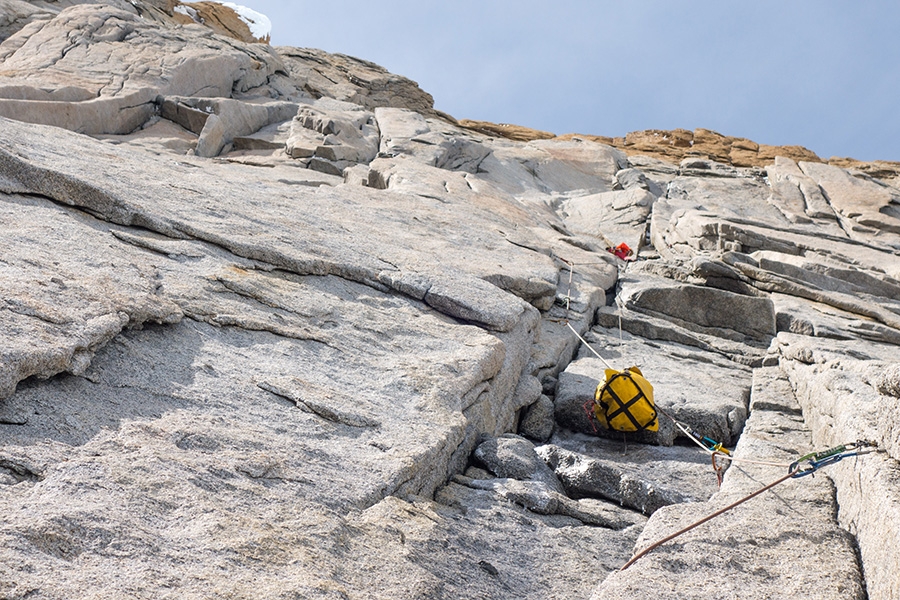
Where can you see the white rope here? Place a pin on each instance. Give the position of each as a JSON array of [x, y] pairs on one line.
[[583, 341], [750, 461], [726, 456], [679, 425]]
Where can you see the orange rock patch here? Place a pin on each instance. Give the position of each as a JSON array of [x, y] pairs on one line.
[[217, 17]]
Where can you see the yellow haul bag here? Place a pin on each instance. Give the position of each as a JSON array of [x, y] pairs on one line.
[[625, 402]]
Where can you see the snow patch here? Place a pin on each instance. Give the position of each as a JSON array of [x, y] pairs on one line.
[[188, 11], [260, 25]]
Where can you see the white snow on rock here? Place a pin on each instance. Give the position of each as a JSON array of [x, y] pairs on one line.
[[260, 25]]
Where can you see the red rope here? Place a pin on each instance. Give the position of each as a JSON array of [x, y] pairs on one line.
[[704, 520]]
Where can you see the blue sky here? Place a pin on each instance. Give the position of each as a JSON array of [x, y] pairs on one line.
[[822, 74]]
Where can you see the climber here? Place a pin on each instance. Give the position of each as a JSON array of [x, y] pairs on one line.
[[622, 251]]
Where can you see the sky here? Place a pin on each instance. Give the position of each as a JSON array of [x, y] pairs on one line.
[[824, 74]]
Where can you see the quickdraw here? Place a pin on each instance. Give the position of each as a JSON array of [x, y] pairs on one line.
[[705, 442], [816, 460], [600, 406], [709, 443]]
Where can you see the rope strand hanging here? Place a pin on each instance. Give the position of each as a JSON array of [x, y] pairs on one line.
[[805, 465], [708, 445]]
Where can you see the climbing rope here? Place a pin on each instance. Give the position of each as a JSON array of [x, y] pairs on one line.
[[805, 465], [589, 347], [713, 448], [669, 538], [814, 461]]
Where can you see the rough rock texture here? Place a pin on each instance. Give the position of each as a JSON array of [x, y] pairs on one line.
[[701, 388], [273, 329], [681, 143], [848, 391], [514, 457], [351, 79], [741, 553], [639, 476], [107, 68], [678, 144], [223, 20], [505, 130]]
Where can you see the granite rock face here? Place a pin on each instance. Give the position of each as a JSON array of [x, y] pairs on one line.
[[740, 554], [276, 328], [678, 144]]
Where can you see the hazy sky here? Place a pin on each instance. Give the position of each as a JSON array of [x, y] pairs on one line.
[[824, 74]]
